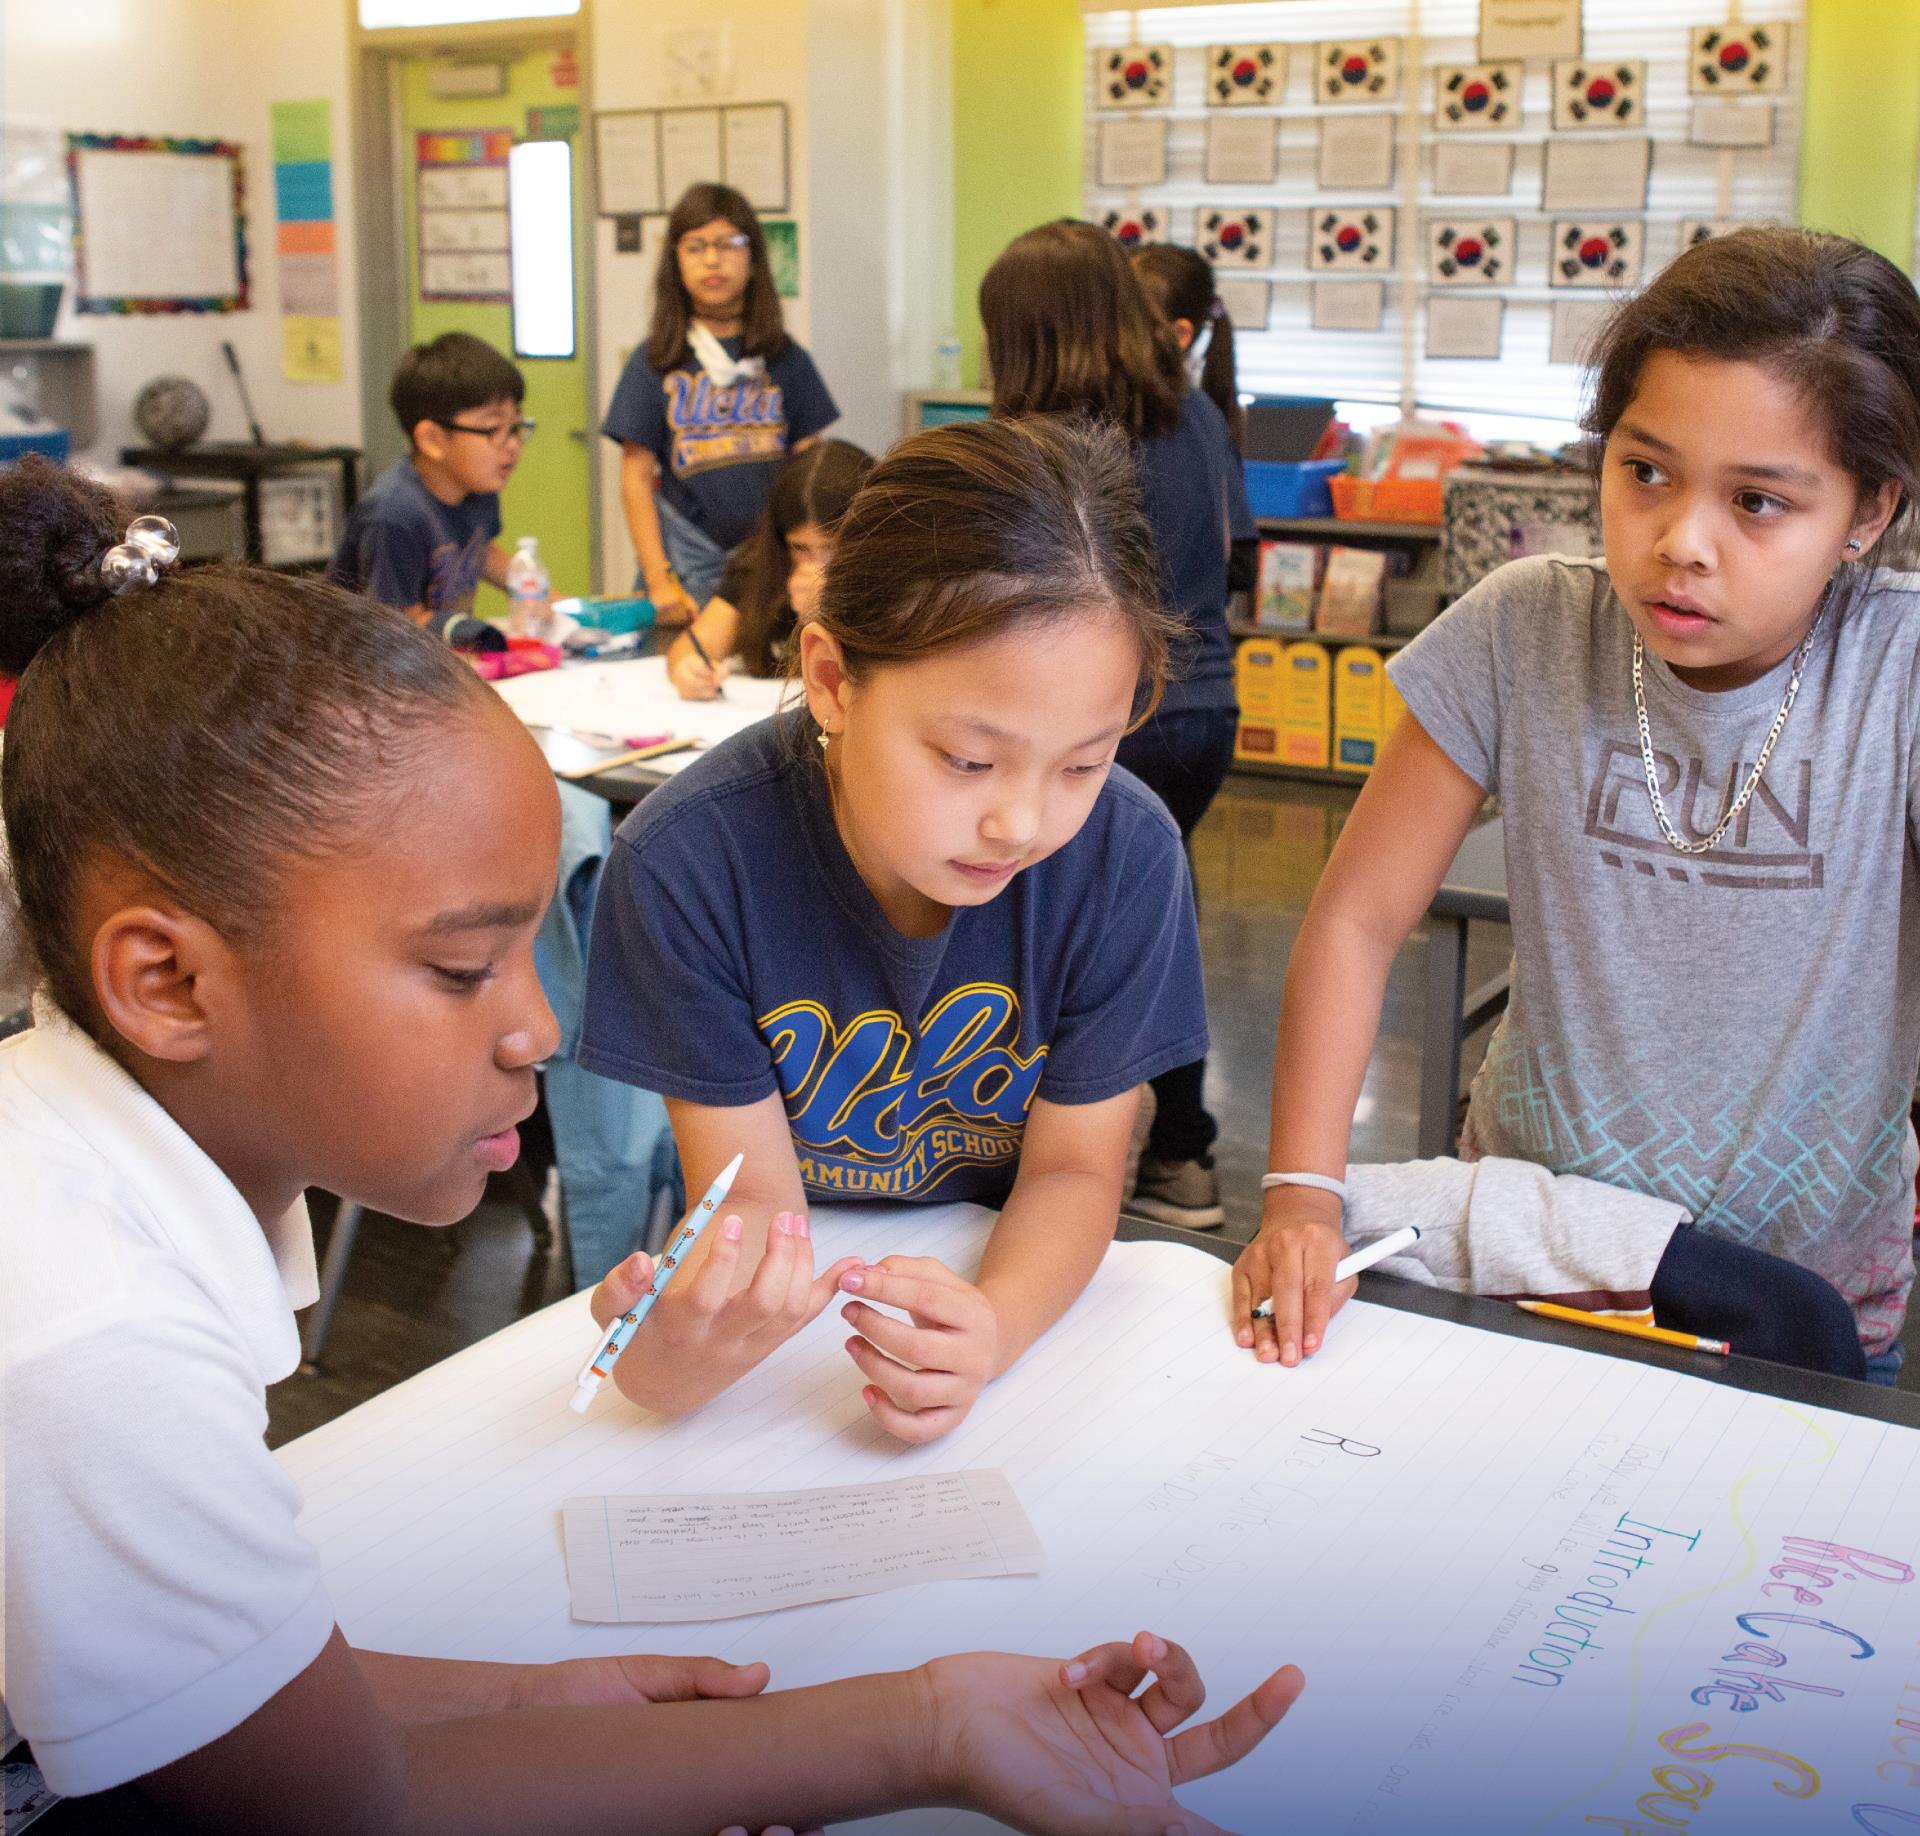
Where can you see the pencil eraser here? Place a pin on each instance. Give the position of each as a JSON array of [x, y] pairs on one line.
[[582, 1399]]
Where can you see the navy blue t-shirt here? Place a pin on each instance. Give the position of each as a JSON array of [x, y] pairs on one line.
[[719, 449], [1196, 492], [404, 547], [736, 952]]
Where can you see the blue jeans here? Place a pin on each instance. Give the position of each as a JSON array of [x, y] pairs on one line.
[[1884, 1367], [693, 554]]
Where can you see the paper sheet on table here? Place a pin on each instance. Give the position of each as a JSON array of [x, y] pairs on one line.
[[634, 697], [719, 1555]]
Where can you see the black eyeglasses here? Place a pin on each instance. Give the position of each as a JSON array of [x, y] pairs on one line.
[[693, 247], [506, 431]]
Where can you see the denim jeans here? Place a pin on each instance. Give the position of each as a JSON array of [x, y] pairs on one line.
[[693, 554]]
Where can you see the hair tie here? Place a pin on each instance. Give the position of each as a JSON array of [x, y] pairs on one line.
[[150, 546]]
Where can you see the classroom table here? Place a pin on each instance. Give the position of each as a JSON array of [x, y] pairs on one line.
[[1475, 891], [631, 697], [435, 1505]]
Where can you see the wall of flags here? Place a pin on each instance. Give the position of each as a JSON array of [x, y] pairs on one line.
[[1392, 216]]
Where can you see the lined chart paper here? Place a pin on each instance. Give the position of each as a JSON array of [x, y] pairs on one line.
[[1531, 1586]]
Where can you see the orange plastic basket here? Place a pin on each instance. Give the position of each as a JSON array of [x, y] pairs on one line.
[[1388, 500]]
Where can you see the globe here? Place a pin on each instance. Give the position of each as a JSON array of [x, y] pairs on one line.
[[171, 411]]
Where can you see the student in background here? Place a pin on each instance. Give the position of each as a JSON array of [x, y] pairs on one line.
[[917, 940], [1705, 748], [708, 407], [426, 533], [1180, 287], [773, 579], [280, 858], [1069, 331]]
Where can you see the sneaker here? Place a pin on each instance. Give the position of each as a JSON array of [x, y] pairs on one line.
[[1182, 1192]]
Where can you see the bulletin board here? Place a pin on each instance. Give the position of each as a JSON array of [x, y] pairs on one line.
[[159, 224], [465, 233], [644, 158], [1438, 202]]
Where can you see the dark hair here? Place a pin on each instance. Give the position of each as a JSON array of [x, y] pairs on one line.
[[1069, 329], [964, 532], [1180, 283], [442, 380], [763, 331], [815, 486], [1833, 319], [207, 728]]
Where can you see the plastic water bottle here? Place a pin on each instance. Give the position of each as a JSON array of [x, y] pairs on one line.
[[527, 588]]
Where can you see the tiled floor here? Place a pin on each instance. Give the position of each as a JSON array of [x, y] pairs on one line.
[[414, 1296]]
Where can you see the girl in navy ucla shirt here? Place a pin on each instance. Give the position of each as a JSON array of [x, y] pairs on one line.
[[919, 939], [710, 405]]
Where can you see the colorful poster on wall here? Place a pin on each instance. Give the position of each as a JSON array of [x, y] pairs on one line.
[[305, 242], [461, 198]]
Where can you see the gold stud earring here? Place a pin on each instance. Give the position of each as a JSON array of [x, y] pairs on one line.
[[823, 736]]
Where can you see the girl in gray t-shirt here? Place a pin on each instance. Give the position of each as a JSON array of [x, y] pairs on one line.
[[1707, 750]]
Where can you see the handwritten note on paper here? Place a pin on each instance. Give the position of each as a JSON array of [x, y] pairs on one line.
[[724, 1554]]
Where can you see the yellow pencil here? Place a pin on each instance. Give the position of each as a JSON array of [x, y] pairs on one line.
[[1634, 1329]]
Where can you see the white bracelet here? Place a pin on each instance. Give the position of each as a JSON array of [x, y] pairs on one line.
[[1319, 1181]]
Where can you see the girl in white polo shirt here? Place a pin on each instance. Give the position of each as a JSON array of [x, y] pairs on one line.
[[280, 857]]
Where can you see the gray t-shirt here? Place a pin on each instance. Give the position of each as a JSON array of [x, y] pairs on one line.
[[1737, 1032]]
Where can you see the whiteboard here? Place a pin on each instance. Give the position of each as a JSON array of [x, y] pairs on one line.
[[158, 226], [1421, 1517]]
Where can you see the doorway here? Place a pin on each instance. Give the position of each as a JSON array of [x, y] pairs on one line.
[[515, 93]]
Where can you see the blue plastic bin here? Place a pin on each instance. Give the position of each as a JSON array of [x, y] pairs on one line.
[[1299, 489]]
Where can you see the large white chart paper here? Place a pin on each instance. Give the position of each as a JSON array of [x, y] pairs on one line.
[[1532, 1588]]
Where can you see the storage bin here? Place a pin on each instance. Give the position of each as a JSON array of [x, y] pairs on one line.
[[1291, 490], [28, 309], [1388, 500]]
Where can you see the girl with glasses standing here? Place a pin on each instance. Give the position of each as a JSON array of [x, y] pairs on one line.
[[710, 405]]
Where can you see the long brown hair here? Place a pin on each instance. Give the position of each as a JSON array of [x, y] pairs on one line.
[[763, 331], [815, 485], [1069, 329], [964, 532], [1838, 322], [1180, 283]]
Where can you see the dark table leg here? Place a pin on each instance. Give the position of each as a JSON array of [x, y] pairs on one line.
[[1440, 1033]]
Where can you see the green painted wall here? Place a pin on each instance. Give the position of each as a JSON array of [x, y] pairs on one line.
[[1017, 97], [1860, 140]]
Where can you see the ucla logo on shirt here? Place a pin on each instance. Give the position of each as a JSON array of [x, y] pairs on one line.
[[715, 427], [882, 1110]]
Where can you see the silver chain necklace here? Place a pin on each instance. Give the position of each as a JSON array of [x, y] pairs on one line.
[[1759, 765]]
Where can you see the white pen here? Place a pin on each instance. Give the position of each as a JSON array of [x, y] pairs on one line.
[[595, 1371], [1376, 1251]]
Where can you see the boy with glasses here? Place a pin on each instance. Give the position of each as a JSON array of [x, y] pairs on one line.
[[427, 530]]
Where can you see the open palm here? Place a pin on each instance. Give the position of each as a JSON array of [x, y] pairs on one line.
[[1069, 1750]]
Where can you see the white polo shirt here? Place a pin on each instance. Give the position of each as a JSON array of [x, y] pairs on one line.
[[158, 1590]]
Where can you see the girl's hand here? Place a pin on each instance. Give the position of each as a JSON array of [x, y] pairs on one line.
[[1069, 1750], [926, 1375], [701, 1335], [694, 680], [1290, 1262], [671, 603]]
